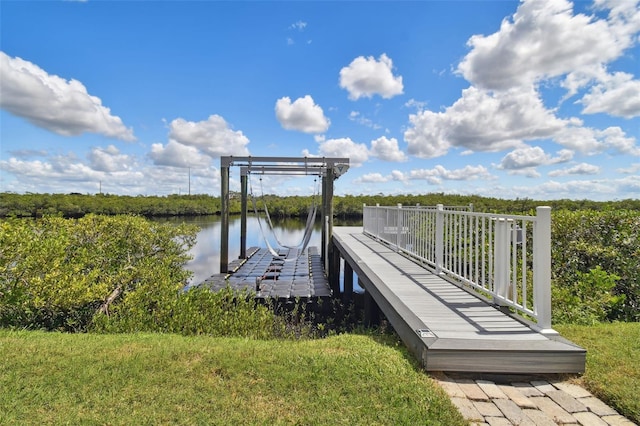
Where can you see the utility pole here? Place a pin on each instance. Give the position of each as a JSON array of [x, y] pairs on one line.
[[189, 180]]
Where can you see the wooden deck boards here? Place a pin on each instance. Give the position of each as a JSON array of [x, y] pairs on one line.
[[465, 332]]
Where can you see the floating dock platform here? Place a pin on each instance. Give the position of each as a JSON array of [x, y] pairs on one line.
[[293, 274]]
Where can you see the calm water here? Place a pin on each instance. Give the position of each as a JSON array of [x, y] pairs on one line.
[[206, 252]]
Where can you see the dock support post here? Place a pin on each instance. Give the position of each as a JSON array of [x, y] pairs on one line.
[[348, 282], [243, 216], [334, 271], [327, 213], [224, 213], [371, 310]]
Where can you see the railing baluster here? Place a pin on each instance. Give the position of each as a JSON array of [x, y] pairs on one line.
[[524, 265], [488, 252]]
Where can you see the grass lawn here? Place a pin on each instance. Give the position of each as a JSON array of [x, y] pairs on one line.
[[613, 363], [52, 378]]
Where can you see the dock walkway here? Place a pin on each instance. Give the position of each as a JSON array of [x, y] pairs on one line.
[[445, 326]]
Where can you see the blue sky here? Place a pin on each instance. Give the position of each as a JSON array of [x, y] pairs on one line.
[[537, 99]]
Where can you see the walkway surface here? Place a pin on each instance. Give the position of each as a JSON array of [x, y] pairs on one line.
[[504, 400], [446, 327]]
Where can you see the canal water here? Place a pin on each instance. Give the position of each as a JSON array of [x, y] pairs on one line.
[[206, 252]]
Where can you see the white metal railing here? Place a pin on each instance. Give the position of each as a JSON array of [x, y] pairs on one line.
[[506, 258]]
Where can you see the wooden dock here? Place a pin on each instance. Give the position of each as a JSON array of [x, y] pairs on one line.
[[445, 326], [294, 274]]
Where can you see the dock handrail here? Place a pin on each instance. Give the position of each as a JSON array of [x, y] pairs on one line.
[[506, 258]]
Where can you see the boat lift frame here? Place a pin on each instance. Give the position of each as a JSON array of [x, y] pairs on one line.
[[328, 168]]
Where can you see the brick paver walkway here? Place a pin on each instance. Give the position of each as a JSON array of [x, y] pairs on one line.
[[498, 400]]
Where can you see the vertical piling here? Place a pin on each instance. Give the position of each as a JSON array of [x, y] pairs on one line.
[[371, 310], [224, 213], [243, 216], [348, 282]]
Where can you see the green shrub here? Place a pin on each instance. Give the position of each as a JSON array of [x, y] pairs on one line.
[[55, 272], [587, 300], [586, 240], [194, 312]]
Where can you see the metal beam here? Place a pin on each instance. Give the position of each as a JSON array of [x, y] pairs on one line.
[[282, 170], [228, 161]]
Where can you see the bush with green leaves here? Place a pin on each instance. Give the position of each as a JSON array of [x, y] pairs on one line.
[[586, 300], [55, 272], [596, 265], [197, 311]]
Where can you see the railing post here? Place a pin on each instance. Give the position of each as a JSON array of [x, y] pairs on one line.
[[542, 269], [501, 259], [439, 238], [364, 217], [377, 220], [399, 226]]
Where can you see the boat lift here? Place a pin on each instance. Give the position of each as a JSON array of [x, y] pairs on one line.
[[328, 168]]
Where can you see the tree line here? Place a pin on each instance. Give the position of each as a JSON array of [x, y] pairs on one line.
[[124, 273], [347, 206]]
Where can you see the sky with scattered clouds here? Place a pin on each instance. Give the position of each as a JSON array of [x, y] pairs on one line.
[[533, 99]]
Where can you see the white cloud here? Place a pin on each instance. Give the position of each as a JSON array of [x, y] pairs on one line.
[[600, 189], [372, 178], [28, 153], [360, 119], [482, 121], [175, 154], [196, 144], [593, 141], [110, 159], [617, 94], [212, 137], [503, 108], [53, 103], [528, 157], [366, 77], [633, 169], [418, 105], [463, 174], [62, 174], [433, 176], [299, 25], [345, 147], [302, 115], [529, 172], [545, 39], [579, 169], [387, 150]]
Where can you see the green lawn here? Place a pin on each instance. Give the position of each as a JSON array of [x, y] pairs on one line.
[[613, 363], [51, 378]]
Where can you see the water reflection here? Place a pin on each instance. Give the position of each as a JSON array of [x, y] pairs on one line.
[[206, 251]]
